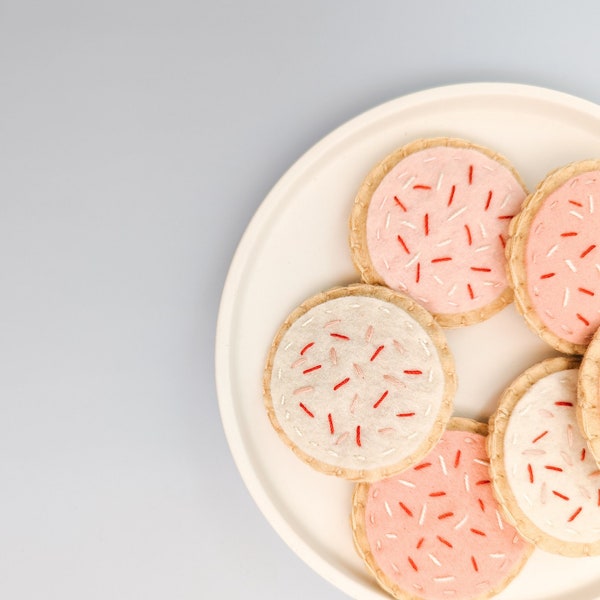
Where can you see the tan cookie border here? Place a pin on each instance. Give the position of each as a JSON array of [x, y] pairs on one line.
[[588, 396], [519, 230], [361, 542], [509, 504], [431, 327], [358, 224]]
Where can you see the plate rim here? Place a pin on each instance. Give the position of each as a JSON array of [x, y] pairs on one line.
[[226, 310]]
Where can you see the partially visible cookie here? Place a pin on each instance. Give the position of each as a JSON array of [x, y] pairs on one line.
[[432, 220], [588, 396], [359, 382], [542, 471], [554, 257], [434, 531]]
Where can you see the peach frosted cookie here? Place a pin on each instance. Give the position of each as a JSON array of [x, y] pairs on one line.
[[432, 220], [588, 396], [542, 471], [434, 531], [359, 382], [554, 257]]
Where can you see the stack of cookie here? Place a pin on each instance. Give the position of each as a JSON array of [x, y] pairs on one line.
[[360, 382]]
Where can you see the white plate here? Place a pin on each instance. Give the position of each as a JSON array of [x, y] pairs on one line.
[[296, 246]]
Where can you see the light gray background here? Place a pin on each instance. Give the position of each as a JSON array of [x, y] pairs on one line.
[[136, 141]]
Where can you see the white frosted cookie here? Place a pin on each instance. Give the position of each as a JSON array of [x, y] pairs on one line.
[[554, 257], [432, 220], [359, 382], [542, 471], [434, 531]]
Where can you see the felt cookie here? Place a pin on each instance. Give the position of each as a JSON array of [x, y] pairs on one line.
[[359, 382], [542, 472], [432, 220], [588, 396], [435, 531], [554, 257]]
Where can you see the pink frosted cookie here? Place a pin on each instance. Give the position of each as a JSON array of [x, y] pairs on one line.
[[542, 471], [434, 531], [554, 257], [359, 382], [432, 220]]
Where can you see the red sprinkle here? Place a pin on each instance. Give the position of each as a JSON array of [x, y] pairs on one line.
[[506, 216], [530, 470], [339, 336], [376, 353], [489, 199], [478, 532], [539, 437], [381, 399], [457, 459], [412, 564], [426, 224], [421, 187], [399, 203], [469, 238], [331, 428], [337, 386], [418, 272], [306, 348], [563, 403], [583, 319], [470, 174], [436, 494], [474, 563], [560, 495], [585, 291], [482, 269], [583, 454], [575, 514], [483, 482], [471, 294], [502, 240], [445, 515], [358, 435], [553, 468], [547, 275], [442, 259], [481, 504], [412, 414], [568, 234], [413, 372], [444, 541], [422, 466], [405, 509], [315, 368], [420, 543], [306, 410], [587, 250], [403, 244], [575, 203], [451, 195]]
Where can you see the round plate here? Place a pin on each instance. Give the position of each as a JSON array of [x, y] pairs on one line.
[[297, 246]]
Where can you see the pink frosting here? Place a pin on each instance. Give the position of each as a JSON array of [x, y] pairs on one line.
[[563, 259], [437, 225], [436, 531]]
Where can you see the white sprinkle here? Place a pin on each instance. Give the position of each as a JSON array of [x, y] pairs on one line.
[[402, 175], [550, 314], [468, 440], [452, 290], [425, 346], [482, 248], [391, 536], [406, 483], [387, 221], [297, 431], [571, 531], [422, 515], [536, 290], [505, 201], [378, 234], [423, 300], [341, 438], [307, 322], [523, 410], [428, 410], [567, 329], [499, 519], [413, 260], [330, 451], [287, 346], [372, 518], [395, 568], [388, 510], [408, 183], [412, 436], [378, 544], [385, 199], [516, 539], [444, 243], [443, 465], [408, 224], [485, 463], [450, 303], [576, 214], [426, 160], [483, 231], [571, 266], [552, 250], [438, 280], [461, 522], [591, 199], [528, 499], [439, 182], [359, 457], [566, 297], [544, 493], [498, 555], [457, 213], [287, 415], [388, 452], [386, 263], [434, 560], [430, 376], [467, 486], [446, 578]]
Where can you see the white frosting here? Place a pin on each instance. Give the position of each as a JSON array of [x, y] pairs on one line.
[[369, 365], [549, 468]]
